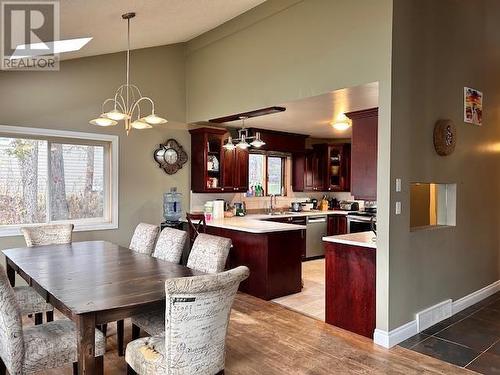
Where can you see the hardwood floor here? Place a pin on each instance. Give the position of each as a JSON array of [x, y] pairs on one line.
[[311, 300], [266, 338]]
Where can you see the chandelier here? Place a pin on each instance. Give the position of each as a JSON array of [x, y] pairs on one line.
[[125, 105], [243, 138]]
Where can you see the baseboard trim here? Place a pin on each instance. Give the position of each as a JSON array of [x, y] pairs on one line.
[[399, 334], [475, 297]]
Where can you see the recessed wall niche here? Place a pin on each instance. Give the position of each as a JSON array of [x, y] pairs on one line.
[[432, 205]]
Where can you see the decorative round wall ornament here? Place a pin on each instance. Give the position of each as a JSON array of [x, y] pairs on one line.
[[445, 137], [170, 156]]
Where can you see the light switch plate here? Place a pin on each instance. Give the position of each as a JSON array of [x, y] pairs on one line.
[[398, 208], [398, 185]]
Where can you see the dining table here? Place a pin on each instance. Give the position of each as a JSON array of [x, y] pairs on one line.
[[93, 283]]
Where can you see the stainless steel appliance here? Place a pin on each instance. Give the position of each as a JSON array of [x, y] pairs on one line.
[[361, 221], [296, 206], [349, 206], [315, 231]]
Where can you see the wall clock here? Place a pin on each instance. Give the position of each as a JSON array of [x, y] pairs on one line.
[[445, 137], [170, 156]]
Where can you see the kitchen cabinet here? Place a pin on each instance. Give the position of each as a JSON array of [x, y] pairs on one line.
[[213, 168], [323, 168], [364, 153], [274, 260], [350, 287], [337, 224], [235, 170]]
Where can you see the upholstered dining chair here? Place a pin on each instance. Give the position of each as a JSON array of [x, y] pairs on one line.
[[209, 254], [37, 348], [169, 248], [143, 242], [192, 343], [170, 245], [51, 234], [196, 225], [144, 238], [30, 302]]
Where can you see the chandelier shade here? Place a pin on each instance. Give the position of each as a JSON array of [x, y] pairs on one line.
[[242, 142], [126, 103]]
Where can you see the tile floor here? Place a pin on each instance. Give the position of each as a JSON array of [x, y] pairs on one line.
[[470, 338], [311, 301]]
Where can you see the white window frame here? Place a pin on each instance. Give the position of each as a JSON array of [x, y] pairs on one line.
[[111, 177]]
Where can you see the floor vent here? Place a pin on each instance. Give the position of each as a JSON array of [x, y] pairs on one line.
[[434, 314]]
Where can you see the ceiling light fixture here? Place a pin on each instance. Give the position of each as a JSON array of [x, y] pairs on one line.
[[243, 138], [43, 48], [127, 100], [342, 123]]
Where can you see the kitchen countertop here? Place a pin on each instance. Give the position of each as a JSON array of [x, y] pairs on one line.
[[258, 223], [252, 225], [296, 214], [363, 239]]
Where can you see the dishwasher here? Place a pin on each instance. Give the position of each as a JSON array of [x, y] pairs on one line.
[[315, 231]]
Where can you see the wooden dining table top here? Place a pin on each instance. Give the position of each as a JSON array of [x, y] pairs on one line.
[[95, 276]]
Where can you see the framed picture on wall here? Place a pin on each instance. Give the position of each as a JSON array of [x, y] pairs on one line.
[[473, 106]]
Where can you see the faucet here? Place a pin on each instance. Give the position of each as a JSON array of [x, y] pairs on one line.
[[272, 206]]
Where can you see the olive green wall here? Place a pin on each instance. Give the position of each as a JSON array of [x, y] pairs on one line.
[[438, 48], [68, 99], [285, 50]]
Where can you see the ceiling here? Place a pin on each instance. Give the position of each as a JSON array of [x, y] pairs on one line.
[[158, 22], [312, 116]]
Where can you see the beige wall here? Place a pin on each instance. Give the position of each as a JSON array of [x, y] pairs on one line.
[[68, 99], [438, 48], [285, 50]]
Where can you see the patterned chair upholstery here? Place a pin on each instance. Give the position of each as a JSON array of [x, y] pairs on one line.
[[144, 238], [29, 300], [170, 245], [209, 253], [193, 343], [52, 234], [37, 348]]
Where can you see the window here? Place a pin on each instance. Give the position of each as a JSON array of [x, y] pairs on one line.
[[268, 171], [49, 176]]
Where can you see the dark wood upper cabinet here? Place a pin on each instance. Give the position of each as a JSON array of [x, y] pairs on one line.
[[324, 168], [231, 170], [364, 153]]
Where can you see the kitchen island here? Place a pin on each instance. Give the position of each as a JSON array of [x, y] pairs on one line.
[[350, 271], [272, 251]]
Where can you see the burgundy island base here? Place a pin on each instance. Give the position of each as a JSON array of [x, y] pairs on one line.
[[350, 282], [272, 251]]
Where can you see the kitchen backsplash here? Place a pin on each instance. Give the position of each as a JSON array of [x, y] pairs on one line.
[[197, 201]]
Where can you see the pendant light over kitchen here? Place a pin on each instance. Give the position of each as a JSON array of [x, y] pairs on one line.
[[243, 138], [127, 100]]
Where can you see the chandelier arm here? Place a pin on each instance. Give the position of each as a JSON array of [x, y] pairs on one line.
[[144, 98], [104, 103]]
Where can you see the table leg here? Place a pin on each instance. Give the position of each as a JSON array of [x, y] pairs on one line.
[[86, 344], [11, 274]]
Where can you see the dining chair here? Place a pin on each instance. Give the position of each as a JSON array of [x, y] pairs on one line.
[[51, 234], [144, 238], [36, 348], [209, 254], [170, 245], [196, 225], [168, 248], [192, 343], [143, 242], [31, 303]]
